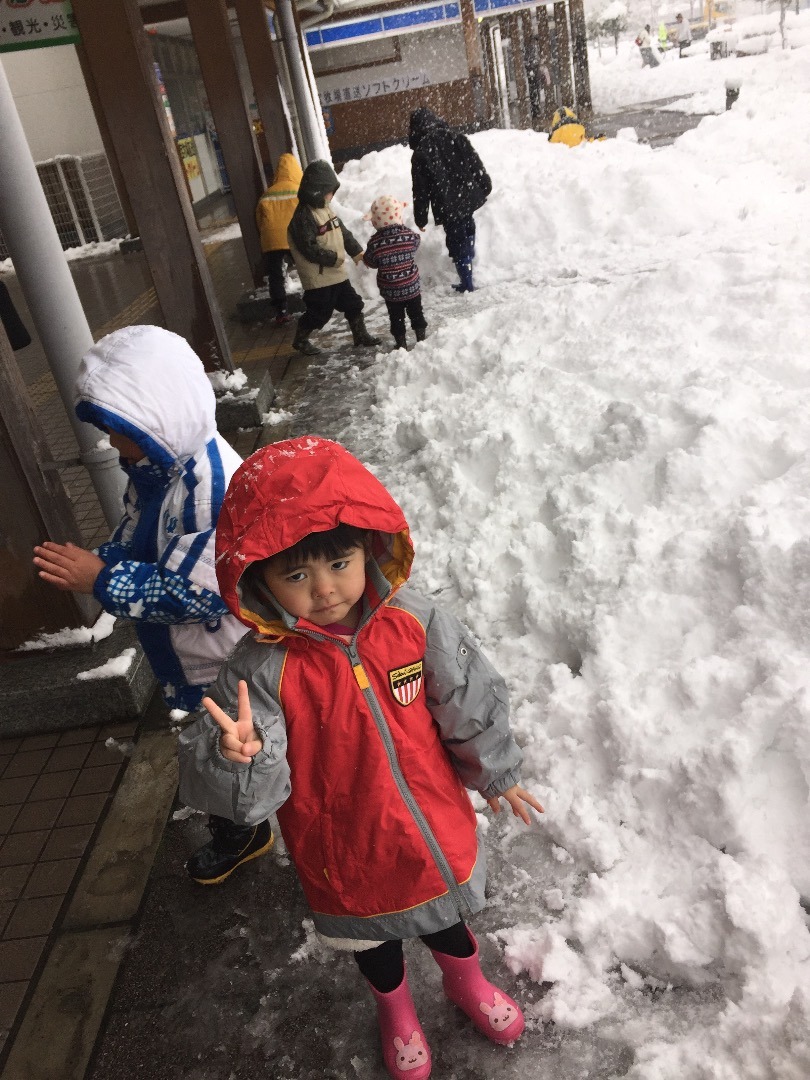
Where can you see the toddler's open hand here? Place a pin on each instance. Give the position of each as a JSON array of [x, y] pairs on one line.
[[239, 740], [358, 258], [67, 566], [517, 797]]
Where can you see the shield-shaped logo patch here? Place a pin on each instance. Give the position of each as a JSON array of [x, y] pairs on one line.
[[406, 682]]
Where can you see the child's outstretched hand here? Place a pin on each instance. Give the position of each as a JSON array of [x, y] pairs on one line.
[[516, 796], [358, 258], [68, 567], [238, 741]]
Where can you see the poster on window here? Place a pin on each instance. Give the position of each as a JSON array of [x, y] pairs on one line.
[[188, 156], [33, 24]]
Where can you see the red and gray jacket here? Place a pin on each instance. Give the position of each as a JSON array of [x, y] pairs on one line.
[[368, 745]]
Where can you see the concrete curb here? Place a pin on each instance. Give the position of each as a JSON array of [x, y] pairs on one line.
[[41, 693], [245, 408]]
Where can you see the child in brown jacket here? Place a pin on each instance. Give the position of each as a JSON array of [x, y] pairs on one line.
[[319, 243]]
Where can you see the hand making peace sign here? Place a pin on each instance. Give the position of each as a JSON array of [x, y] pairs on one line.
[[239, 740]]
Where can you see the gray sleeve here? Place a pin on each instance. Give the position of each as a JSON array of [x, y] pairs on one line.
[[245, 794], [349, 242], [469, 701]]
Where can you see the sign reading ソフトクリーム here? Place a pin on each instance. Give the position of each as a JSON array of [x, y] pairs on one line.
[[33, 24]]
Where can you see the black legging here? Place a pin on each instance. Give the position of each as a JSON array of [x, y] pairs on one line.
[[384, 966]]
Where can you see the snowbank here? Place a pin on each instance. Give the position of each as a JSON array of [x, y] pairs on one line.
[[605, 458]]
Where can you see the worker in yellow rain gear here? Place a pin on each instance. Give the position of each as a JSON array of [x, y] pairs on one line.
[[566, 128]]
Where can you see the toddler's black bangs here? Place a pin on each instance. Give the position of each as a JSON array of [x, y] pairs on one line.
[[325, 545]]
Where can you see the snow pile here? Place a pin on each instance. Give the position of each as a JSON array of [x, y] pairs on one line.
[[94, 250], [80, 635], [605, 458], [231, 231], [228, 381], [114, 668]]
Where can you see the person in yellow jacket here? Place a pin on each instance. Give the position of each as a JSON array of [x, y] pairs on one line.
[[566, 129], [273, 214]]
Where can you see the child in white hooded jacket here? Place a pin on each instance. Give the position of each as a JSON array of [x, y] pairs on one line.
[[146, 388]]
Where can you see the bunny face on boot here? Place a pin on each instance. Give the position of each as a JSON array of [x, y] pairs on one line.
[[501, 1014], [411, 1055], [466, 986]]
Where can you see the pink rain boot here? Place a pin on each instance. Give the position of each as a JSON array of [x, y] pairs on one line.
[[492, 1011], [405, 1049]]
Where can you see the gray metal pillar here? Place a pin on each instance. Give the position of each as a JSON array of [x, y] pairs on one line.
[[317, 112], [42, 270], [302, 96]]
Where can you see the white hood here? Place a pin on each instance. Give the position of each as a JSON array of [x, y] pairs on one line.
[[149, 385]]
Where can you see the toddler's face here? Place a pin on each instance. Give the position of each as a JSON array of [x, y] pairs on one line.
[[320, 590], [128, 450], [328, 197]]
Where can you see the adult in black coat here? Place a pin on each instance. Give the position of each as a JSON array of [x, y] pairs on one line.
[[450, 177]]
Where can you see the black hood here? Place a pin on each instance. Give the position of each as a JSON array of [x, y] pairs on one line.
[[318, 180], [422, 122]]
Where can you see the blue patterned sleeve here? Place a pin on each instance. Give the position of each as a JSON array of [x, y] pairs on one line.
[[112, 553], [154, 594], [117, 548]]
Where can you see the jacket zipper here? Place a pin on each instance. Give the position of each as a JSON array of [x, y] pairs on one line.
[[388, 744]]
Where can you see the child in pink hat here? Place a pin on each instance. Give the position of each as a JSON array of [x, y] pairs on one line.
[[390, 252]]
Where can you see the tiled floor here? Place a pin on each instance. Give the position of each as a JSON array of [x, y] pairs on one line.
[[54, 792]]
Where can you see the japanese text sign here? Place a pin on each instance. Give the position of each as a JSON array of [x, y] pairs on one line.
[[32, 24], [394, 84]]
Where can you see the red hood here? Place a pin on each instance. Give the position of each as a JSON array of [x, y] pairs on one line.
[[289, 489]]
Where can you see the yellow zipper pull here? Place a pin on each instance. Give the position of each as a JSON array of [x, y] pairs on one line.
[[360, 675]]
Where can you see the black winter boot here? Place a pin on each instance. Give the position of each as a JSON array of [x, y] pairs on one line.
[[401, 342], [421, 333], [361, 336], [465, 277], [230, 846], [302, 343]]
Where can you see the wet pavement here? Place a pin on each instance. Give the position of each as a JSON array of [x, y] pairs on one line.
[[653, 124], [227, 983]]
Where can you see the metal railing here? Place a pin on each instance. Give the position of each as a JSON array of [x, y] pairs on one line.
[[82, 199]]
